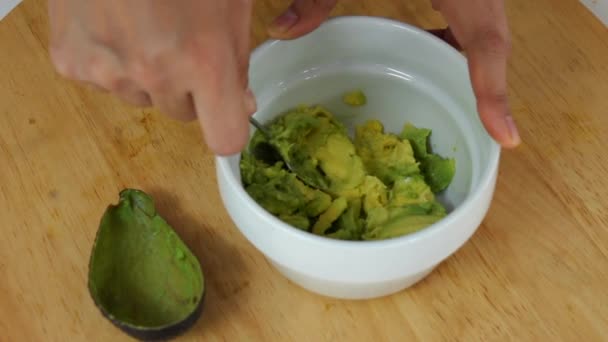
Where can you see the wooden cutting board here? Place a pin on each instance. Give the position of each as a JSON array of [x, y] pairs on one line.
[[537, 270]]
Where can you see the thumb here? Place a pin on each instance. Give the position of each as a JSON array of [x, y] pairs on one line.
[[302, 17], [487, 58]]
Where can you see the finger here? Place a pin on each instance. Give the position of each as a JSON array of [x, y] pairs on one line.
[[107, 78], [68, 60], [179, 106], [131, 93], [95, 87], [436, 4], [223, 106], [168, 91], [302, 17], [103, 69], [242, 40], [487, 57], [447, 36]]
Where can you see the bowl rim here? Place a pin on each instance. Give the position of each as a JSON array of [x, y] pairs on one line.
[[468, 204]]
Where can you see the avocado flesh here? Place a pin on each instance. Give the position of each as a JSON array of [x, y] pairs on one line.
[[438, 171], [318, 148], [141, 274], [374, 186], [281, 193], [355, 98], [385, 155], [411, 206]]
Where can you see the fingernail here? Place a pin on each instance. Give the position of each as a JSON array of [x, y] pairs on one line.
[[250, 103], [285, 21], [513, 132]]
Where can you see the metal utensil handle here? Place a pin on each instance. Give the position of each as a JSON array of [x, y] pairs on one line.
[[260, 127]]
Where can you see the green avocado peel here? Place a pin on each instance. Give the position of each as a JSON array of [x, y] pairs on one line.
[[141, 274]]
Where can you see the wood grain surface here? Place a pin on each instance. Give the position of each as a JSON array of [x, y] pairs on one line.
[[537, 270]]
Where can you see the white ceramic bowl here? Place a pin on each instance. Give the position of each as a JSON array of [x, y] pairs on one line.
[[408, 75]]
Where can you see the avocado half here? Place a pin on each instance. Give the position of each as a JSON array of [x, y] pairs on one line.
[[142, 276]]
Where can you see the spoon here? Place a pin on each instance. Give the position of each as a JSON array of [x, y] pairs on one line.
[[266, 151], [269, 153]]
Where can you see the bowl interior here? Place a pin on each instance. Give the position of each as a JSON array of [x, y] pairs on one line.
[[407, 74]]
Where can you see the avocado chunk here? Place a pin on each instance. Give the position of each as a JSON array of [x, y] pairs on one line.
[[297, 220], [374, 193], [411, 207], [400, 223], [315, 144], [349, 225], [281, 193], [337, 207], [438, 171], [409, 191], [384, 155], [355, 98], [142, 276], [418, 138]]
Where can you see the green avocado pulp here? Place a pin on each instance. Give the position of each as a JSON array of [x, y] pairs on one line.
[[376, 186], [141, 273]]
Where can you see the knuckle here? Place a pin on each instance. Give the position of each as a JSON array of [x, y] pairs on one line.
[[148, 72], [61, 61], [207, 56], [203, 51], [496, 98], [103, 36], [499, 97], [135, 97], [98, 69], [112, 82], [193, 48], [150, 65], [208, 65], [102, 72]]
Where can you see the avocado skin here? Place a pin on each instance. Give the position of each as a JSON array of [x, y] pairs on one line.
[[162, 333]]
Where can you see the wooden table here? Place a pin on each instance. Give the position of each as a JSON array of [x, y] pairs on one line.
[[537, 270]]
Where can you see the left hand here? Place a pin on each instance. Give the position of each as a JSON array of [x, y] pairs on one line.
[[478, 26]]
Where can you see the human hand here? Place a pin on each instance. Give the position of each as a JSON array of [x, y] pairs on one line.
[[188, 58], [478, 26]]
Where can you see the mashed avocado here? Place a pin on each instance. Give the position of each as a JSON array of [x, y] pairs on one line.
[[377, 186], [312, 139]]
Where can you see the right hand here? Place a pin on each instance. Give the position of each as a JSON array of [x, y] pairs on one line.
[[188, 58], [478, 26]]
